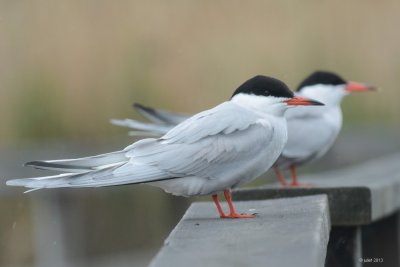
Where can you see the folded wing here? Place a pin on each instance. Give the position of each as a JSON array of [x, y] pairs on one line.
[[220, 142]]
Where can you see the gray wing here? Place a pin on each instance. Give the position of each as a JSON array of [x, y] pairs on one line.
[[225, 119], [311, 132], [143, 128], [161, 121], [215, 142], [102, 170], [209, 144], [125, 173], [160, 116], [81, 164]]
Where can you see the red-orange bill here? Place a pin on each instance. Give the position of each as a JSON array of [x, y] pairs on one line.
[[359, 87], [302, 101]]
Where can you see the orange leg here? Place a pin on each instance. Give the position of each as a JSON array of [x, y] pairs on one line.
[[220, 211], [295, 182], [232, 213], [280, 177]]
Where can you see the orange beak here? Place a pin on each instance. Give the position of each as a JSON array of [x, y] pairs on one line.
[[359, 87], [302, 101]]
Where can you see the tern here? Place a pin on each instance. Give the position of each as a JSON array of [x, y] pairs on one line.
[[311, 133], [311, 130], [211, 152]]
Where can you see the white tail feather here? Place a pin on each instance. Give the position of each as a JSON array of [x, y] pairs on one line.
[[152, 128]]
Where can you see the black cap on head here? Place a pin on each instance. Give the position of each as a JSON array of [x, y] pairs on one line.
[[321, 77], [264, 86]]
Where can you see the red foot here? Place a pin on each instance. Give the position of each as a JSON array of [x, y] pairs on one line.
[[232, 213], [295, 182], [238, 216]]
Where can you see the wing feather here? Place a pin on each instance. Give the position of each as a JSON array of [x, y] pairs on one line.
[[221, 142], [143, 127], [208, 143], [159, 116], [224, 118], [311, 132]]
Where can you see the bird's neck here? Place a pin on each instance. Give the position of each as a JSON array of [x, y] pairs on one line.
[[265, 105], [328, 96]]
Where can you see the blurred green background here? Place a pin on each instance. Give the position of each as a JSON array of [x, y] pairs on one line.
[[67, 67]]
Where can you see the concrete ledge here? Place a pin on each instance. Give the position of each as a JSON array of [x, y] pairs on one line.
[[357, 195], [286, 232]]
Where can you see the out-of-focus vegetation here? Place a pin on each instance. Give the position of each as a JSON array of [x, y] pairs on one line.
[[66, 67]]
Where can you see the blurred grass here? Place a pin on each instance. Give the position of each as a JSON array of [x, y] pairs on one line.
[[38, 113], [67, 67]]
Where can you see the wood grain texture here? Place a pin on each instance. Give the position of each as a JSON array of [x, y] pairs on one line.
[[286, 232]]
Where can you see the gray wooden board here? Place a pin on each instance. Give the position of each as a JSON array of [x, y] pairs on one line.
[[286, 232], [347, 206], [357, 195]]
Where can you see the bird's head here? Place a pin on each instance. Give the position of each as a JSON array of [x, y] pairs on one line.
[[268, 95], [329, 88]]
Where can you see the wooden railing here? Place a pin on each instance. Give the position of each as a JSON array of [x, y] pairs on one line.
[[348, 218]]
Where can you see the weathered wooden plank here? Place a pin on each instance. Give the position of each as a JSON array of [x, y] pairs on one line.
[[357, 195], [347, 205], [381, 242], [286, 232]]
